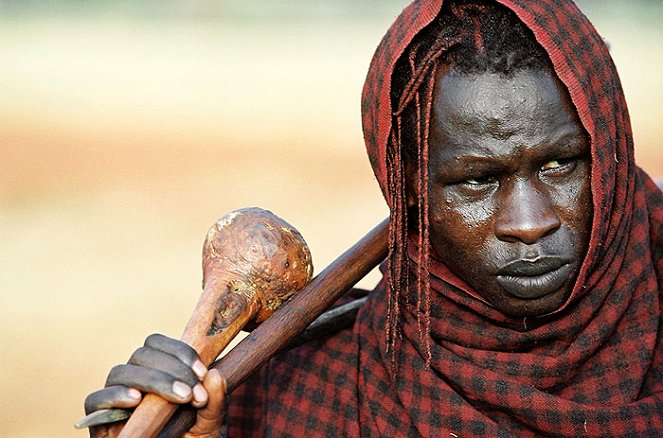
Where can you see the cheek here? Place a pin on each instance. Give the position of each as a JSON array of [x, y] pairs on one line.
[[461, 212], [582, 223], [460, 230], [574, 205]]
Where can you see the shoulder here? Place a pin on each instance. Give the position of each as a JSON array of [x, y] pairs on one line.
[[298, 389]]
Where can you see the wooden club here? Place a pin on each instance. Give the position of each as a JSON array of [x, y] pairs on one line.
[[252, 262], [287, 322]]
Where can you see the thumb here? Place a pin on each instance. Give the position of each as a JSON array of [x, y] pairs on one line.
[[210, 417]]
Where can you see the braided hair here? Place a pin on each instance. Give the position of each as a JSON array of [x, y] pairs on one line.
[[471, 36]]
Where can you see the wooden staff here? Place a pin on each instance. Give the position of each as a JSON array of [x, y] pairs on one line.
[[277, 331], [252, 262], [287, 322]]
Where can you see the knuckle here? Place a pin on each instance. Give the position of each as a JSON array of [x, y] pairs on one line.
[[114, 374], [186, 353], [90, 403], [166, 363], [100, 399], [174, 347], [154, 340], [138, 356]]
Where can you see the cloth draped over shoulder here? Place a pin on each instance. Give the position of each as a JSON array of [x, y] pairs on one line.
[[594, 368]]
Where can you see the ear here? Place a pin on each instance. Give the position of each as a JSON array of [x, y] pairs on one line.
[[411, 186]]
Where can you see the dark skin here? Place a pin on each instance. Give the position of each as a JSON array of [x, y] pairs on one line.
[[510, 214], [171, 369], [510, 200]]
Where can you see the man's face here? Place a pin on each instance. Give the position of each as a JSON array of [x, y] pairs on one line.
[[510, 201]]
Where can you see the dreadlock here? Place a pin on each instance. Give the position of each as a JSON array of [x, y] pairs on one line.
[[472, 36]]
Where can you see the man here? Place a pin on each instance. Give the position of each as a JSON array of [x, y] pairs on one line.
[[522, 293]]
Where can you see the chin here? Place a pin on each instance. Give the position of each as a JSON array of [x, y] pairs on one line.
[[534, 308]]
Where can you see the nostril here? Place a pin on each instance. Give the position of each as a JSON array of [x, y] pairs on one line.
[[526, 228], [551, 229]]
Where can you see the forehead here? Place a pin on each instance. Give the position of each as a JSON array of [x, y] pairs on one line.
[[479, 109]]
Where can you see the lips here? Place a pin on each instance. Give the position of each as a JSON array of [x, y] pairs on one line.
[[531, 279]]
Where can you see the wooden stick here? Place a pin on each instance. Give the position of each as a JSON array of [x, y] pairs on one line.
[[252, 262], [266, 340], [271, 336]]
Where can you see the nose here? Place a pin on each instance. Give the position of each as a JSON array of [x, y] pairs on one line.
[[525, 214]]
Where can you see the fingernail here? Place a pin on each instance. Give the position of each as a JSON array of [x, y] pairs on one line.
[[200, 369], [199, 394], [133, 393], [181, 389]]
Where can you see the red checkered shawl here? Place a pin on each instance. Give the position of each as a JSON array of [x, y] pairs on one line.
[[594, 369]]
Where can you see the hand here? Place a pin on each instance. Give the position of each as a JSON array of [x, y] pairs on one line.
[[170, 369]]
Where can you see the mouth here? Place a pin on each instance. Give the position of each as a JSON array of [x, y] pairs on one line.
[[532, 279]]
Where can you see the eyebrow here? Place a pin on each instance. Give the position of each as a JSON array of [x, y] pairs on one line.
[[565, 146], [471, 164], [568, 145]]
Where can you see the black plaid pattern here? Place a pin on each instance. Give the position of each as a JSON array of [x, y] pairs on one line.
[[593, 369]]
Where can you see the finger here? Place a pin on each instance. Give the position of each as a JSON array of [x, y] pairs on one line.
[[179, 349], [199, 396], [216, 387], [112, 397], [210, 418], [150, 380], [150, 358]]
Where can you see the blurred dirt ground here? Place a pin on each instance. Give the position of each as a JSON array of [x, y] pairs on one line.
[[121, 142]]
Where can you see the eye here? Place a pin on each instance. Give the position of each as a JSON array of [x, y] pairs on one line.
[[477, 186], [550, 165], [558, 167], [480, 181]]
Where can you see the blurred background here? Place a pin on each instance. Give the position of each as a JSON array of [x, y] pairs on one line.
[[128, 127]]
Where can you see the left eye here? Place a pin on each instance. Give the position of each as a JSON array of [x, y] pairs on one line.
[[554, 164], [558, 167]]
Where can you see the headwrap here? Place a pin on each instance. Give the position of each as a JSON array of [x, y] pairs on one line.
[[594, 368]]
